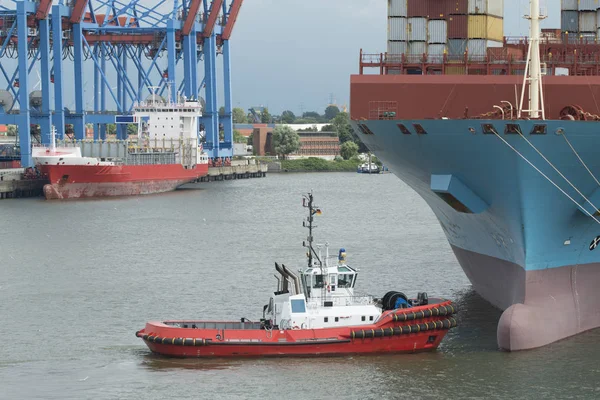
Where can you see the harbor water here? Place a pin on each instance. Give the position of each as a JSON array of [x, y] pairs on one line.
[[79, 278]]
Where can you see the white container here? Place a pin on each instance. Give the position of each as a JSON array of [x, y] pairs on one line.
[[417, 48], [435, 53], [457, 48], [478, 47], [397, 48], [588, 5], [437, 31], [417, 29], [489, 7], [397, 28], [397, 8], [569, 5], [587, 21]]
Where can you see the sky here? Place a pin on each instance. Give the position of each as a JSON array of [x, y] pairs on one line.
[[294, 54]]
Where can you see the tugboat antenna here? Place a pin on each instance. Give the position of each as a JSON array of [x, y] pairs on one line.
[[308, 203]]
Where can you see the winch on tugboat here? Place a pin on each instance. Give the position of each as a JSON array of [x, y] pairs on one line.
[[314, 312]]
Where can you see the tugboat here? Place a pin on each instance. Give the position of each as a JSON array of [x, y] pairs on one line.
[[314, 313]]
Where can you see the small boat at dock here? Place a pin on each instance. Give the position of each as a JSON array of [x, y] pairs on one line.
[[314, 312]]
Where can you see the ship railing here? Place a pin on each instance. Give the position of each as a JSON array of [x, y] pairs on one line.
[[335, 300]]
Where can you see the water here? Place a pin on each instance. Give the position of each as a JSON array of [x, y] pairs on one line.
[[78, 278]]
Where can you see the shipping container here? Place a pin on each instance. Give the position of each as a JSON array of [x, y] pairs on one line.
[[587, 21], [435, 53], [417, 48], [477, 48], [502, 54], [417, 29], [437, 9], [569, 21], [458, 27], [569, 5], [487, 7], [588, 5], [437, 31], [397, 28], [457, 48], [397, 47], [456, 70], [458, 7], [397, 8], [417, 8], [598, 18], [486, 27]]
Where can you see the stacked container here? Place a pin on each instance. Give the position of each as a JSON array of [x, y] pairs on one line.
[[438, 27], [397, 27], [580, 20], [485, 27]]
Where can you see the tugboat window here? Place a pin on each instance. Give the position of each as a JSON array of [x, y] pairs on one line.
[[318, 281], [345, 280], [298, 306]]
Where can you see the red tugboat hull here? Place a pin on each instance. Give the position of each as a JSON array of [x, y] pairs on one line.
[[410, 330], [83, 181]]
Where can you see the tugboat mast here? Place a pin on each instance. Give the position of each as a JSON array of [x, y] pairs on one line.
[[307, 202]]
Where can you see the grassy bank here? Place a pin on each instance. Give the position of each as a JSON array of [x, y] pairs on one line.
[[313, 164]]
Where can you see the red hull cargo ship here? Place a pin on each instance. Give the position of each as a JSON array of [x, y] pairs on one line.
[[166, 154]]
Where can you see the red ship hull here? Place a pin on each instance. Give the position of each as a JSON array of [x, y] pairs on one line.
[[82, 181], [398, 331]]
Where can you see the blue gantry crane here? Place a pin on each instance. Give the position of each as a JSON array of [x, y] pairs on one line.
[[126, 51]]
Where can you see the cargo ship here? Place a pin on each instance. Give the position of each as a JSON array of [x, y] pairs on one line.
[[314, 313], [501, 140], [165, 154]]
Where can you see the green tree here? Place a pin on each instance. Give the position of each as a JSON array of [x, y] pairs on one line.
[[285, 140], [348, 150], [221, 111], [111, 129], [239, 116], [328, 128], [238, 137], [132, 129], [331, 112], [311, 114], [288, 117], [308, 120], [341, 124], [265, 117]]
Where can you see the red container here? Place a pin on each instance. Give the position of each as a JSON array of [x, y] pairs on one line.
[[438, 9], [417, 8], [458, 27], [458, 7]]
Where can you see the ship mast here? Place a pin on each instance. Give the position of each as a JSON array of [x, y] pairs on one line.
[[533, 70], [307, 202]]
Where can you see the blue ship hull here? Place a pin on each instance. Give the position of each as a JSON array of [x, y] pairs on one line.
[[525, 246]]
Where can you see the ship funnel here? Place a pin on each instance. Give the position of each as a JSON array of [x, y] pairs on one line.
[[284, 280], [293, 277]]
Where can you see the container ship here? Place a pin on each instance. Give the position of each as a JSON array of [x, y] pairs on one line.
[[500, 137], [166, 153]]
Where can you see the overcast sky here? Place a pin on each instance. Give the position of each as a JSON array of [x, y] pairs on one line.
[[288, 54]]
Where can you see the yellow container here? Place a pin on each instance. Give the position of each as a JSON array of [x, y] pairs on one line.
[[486, 27], [455, 70]]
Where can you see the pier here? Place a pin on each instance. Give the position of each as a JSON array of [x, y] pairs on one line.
[[238, 170], [17, 183]]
